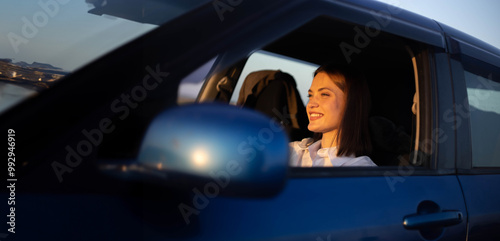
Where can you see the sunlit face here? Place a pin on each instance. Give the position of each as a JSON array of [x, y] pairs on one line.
[[326, 104]]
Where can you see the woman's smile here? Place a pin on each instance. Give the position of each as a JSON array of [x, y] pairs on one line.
[[314, 116]]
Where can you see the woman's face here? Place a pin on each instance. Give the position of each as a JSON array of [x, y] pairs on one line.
[[326, 104]]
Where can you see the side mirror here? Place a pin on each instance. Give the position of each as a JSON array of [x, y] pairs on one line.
[[217, 148]]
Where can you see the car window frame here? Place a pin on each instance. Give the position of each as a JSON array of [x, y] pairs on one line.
[[439, 164]]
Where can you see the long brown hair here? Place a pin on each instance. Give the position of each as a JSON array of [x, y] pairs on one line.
[[353, 136]]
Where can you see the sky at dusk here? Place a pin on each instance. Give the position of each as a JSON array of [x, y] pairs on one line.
[[60, 32], [478, 18]]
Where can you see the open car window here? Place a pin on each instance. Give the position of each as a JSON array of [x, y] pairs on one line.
[[387, 61]]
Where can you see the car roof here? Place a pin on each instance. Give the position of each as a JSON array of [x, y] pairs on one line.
[[468, 44]]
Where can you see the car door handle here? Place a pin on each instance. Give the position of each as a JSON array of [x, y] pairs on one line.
[[439, 219]]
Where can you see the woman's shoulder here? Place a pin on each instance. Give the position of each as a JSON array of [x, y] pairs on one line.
[[301, 145]]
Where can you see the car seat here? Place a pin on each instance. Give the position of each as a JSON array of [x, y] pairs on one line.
[[391, 144], [275, 94]]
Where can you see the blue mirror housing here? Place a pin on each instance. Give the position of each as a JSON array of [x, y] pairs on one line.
[[241, 151]]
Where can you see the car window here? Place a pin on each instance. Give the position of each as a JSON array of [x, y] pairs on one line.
[[483, 91], [42, 41], [387, 62]]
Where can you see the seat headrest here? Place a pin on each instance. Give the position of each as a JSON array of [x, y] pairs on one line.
[[256, 81]]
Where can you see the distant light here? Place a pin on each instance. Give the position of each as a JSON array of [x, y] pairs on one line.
[[200, 158]]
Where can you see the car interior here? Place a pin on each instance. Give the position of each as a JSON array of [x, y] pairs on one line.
[[384, 59]]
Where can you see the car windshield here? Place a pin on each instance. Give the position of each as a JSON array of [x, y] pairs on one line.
[[42, 41]]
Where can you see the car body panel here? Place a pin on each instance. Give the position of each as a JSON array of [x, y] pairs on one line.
[[375, 210], [329, 208], [482, 198]]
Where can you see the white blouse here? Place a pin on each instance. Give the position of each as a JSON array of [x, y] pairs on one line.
[[305, 154]]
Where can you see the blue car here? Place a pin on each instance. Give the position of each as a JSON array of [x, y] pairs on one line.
[[171, 120]]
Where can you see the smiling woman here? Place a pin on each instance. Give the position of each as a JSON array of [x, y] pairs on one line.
[[338, 114]]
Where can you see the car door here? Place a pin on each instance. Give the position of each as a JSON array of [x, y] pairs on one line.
[[476, 67], [413, 202], [423, 201]]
